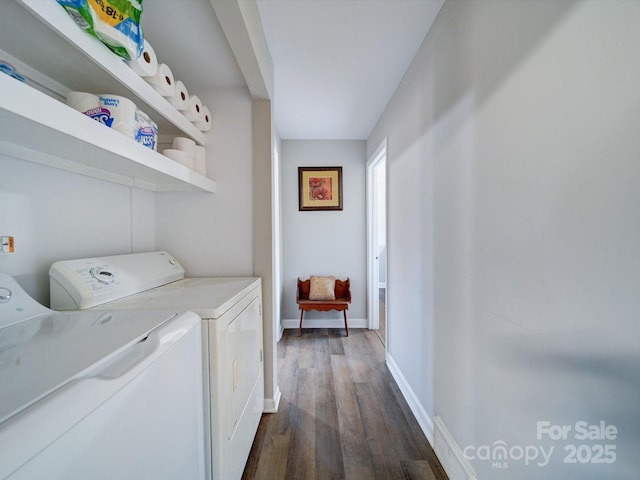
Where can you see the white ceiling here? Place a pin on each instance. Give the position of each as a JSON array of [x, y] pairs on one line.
[[338, 62]]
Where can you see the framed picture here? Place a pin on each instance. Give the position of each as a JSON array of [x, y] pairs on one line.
[[320, 188]]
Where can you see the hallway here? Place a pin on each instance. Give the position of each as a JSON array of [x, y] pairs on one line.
[[341, 415]]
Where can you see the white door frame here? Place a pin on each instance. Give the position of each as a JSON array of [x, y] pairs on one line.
[[373, 271], [277, 242]]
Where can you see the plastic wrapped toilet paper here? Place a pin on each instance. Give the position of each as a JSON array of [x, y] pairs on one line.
[[163, 81], [193, 113], [187, 145], [180, 97], [200, 160], [89, 104], [83, 101], [122, 112], [205, 124], [147, 131], [6, 67], [146, 65]]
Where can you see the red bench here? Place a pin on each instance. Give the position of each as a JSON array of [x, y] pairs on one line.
[[341, 303]]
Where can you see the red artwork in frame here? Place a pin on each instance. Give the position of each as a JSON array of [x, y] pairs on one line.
[[320, 188]]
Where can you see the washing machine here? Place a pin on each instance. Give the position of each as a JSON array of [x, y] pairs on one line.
[[230, 309], [98, 394]]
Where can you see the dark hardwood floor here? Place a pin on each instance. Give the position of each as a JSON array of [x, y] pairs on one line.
[[341, 415]]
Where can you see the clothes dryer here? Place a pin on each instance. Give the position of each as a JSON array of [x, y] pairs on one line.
[[231, 312]]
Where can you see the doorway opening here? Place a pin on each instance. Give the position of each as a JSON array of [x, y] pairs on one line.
[[377, 241]]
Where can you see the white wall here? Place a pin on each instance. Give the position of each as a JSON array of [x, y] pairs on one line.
[[56, 215], [212, 235], [513, 161], [324, 242], [263, 226]]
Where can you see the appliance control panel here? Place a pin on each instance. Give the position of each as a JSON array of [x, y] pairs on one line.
[[102, 275], [88, 282]]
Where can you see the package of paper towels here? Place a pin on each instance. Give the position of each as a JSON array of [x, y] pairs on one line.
[[116, 23]]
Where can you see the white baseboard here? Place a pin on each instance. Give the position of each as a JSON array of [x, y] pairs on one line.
[[425, 422], [444, 445], [271, 404], [280, 332], [322, 323], [450, 455]]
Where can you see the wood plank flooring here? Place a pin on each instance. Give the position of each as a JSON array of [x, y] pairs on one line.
[[341, 415]]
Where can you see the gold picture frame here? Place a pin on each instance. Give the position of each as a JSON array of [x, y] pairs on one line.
[[319, 188]]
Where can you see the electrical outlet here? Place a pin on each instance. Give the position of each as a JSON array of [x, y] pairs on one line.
[[6, 244]]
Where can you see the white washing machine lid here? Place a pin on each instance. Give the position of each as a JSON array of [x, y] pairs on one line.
[[39, 355], [209, 297]]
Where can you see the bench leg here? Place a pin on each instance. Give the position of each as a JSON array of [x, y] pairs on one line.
[[300, 327], [345, 322]]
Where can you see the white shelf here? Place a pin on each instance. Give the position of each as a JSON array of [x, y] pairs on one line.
[[49, 41], [38, 128]]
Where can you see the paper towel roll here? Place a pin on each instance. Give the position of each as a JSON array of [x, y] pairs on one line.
[[163, 81], [180, 98], [193, 113], [179, 156], [200, 160], [187, 145], [205, 124], [83, 102], [123, 114], [146, 65]]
